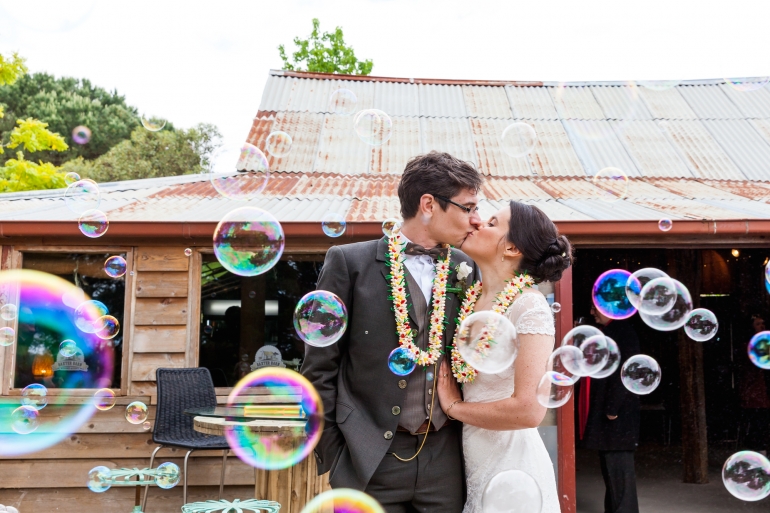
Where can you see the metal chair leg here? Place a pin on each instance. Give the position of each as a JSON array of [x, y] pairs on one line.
[[222, 477], [184, 493], [147, 488]]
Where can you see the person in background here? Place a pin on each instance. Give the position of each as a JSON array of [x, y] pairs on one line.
[[755, 398], [609, 420]]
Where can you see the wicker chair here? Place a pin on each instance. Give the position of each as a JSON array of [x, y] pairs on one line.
[[178, 390]]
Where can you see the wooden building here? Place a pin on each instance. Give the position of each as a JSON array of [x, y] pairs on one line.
[[695, 154]]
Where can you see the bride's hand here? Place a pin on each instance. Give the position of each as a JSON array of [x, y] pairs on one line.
[[448, 391]]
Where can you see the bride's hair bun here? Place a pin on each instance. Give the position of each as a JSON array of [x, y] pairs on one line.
[[545, 253]]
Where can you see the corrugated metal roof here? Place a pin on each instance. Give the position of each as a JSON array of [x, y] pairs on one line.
[[490, 157], [441, 101], [752, 104], [576, 102], [709, 102], [705, 157], [597, 154], [621, 102], [743, 144], [666, 104], [452, 135], [651, 150], [531, 102], [553, 154]]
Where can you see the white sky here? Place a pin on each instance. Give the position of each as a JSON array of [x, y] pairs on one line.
[[197, 61]]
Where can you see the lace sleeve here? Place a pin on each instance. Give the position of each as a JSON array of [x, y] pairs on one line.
[[531, 314]]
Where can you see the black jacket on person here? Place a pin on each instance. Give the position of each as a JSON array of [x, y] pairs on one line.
[[608, 396]]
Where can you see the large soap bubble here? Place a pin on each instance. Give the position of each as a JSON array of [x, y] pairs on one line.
[[487, 342], [518, 139], [759, 350], [613, 183], [87, 313], [289, 439], [658, 296], [333, 224], [343, 101], [676, 316], [99, 479], [747, 84], [168, 475], [746, 475], [25, 419], [248, 241], [609, 294], [240, 173], [373, 126], [512, 491], [93, 223], [566, 361], [320, 318], [701, 325], [278, 144], [596, 353], [343, 500], [391, 227], [400, 362], [34, 395], [136, 412], [613, 360], [554, 390], [640, 374], [638, 280], [82, 196], [579, 334], [115, 266]]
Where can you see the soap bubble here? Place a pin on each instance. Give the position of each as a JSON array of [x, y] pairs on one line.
[[373, 127], [579, 334], [8, 312], [400, 362], [487, 341], [613, 182], [93, 223], [187, 252], [248, 241], [658, 296], [168, 475], [343, 500], [747, 84], [659, 85], [99, 479], [25, 420], [640, 374], [518, 139], [278, 144], [767, 272], [556, 307], [87, 313], [81, 134], [82, 196], [638, 280], [759, 350], [68, 348], [136, 412], [746, 475], [34, 395], [333, 224], [609, 294], [104, 399], [146, 425], [320, 318], [596, 353], [106, 327], [701, 325], [391, 227], [240, 173], [343, 101], [153, 124], [554, 390], [71, 178], [566, 361], [115, 266], [7, 336], [665, 224], [674, 318], [512, 491], [613, 360], [299, 432]]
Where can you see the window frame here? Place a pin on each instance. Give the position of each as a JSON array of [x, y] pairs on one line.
[[8, 359]]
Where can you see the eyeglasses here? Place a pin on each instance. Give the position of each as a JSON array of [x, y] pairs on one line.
[[467, 210]]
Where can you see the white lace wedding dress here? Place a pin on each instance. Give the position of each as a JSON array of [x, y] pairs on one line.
[[487, 452]]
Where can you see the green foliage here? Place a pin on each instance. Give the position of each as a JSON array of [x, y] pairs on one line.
[[35, 136], [23, 175], [11, 69], [324, 53], [152, 154]]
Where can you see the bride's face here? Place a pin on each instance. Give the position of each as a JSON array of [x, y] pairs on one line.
[[488, 243]]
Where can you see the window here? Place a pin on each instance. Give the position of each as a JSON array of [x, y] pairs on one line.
[[38, 359], [246, 322]]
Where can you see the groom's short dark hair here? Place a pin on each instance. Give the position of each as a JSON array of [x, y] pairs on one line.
[[436, 173]]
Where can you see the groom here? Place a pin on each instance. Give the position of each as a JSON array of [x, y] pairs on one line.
[[375, 420]]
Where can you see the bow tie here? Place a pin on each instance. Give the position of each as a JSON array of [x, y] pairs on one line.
[[434, 253]]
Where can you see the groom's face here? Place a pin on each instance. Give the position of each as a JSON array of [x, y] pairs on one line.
[[452, 226]]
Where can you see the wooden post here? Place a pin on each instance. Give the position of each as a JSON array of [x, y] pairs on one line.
[[252, 315], [686, 266]]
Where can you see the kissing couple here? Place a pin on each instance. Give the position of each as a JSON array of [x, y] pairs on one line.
[[433, 439]]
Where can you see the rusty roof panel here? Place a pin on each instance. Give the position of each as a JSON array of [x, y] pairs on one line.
[[373, 209], [531, 102], [597, 154], [553, 154], [752, 104], [495, 188], [304, 129], [694, 189], [748, 209], [340, 150], [404, 144], [486, 102], [705, 157], [651, 150], [576, 102], [441, 101], [744, 145], [621, 102], [689, 209], [397, 99], [452, 135], [709, 102], [555, 210], [666, 104], [606, 211], [759, 191], [491, 158]]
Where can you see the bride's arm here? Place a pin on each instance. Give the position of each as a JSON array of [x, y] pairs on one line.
[[521, 410]]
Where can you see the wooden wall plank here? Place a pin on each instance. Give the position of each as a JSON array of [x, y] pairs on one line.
[[161, 284], [160, 339], [145, 388], [161, 258], [144, 364], [164, 311]]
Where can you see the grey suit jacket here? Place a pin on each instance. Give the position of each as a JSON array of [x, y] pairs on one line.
[[352, 376]]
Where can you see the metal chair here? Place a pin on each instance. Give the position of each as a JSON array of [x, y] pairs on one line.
[[178, 390]]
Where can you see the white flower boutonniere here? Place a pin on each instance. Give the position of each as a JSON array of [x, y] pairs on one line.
[[463, 271]]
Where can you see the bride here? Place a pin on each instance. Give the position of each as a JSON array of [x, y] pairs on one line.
[[500, 412]]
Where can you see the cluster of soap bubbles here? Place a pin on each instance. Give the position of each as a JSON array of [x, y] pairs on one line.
[[83, 197]]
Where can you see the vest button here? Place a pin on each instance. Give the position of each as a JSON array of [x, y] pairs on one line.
[[388, 435], [395, 410], [402, 383]]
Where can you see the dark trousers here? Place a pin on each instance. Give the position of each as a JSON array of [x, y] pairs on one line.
[[432, 482], [620, 481]]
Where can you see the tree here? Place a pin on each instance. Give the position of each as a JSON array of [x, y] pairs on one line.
[[324, 53]]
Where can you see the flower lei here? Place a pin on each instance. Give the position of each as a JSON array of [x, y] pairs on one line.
[[463, 372], [395, 260]]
